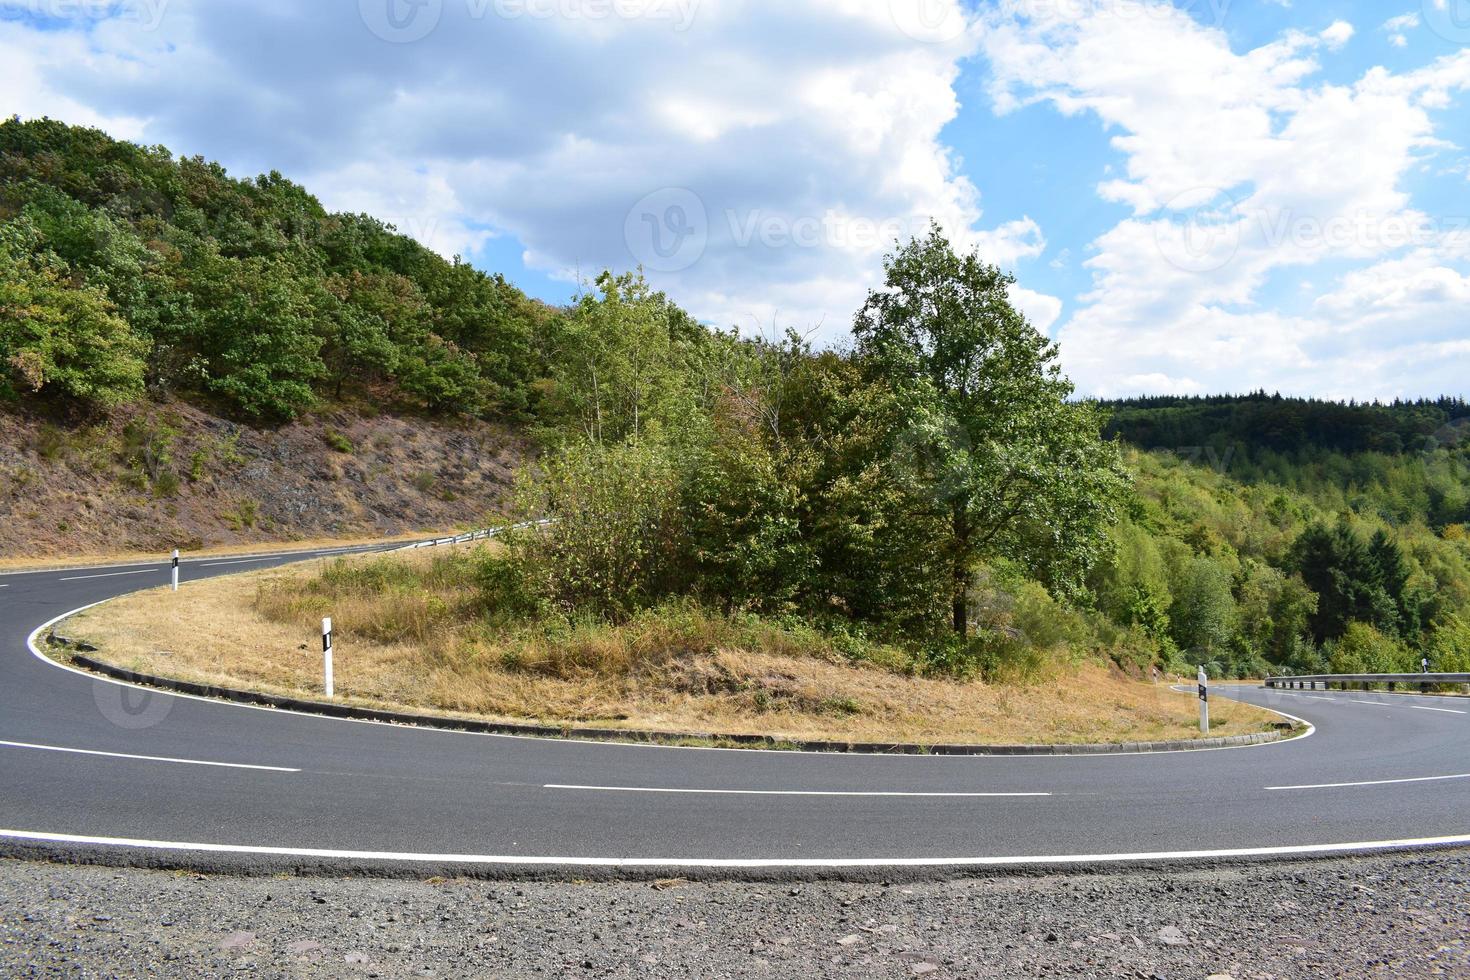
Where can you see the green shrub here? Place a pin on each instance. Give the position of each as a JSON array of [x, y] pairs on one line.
[[337, 441]]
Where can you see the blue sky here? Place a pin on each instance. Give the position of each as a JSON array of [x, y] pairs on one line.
[[1196, 196]]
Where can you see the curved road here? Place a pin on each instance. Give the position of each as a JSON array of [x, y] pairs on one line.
[[91, 765]]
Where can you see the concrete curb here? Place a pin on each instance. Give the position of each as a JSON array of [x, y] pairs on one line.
[[441, 722]]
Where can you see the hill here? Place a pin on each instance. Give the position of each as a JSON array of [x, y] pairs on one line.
[[189, 357]]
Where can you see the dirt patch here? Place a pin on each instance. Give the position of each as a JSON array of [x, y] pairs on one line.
[[726, 690], [170, 476]]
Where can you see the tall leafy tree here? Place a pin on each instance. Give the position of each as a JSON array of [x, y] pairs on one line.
[[1020, 472], [59, 338]]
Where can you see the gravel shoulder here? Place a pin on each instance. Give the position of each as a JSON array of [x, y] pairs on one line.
[[1396, 916]]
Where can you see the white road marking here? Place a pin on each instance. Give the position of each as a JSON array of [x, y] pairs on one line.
[[1423, 707], [607, 862], [1361, 701], [1376, 782], [239, 561], [144, 758], [761, 792], [141, 571]]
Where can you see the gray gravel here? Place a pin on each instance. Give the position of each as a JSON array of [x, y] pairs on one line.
[[1390, 916]]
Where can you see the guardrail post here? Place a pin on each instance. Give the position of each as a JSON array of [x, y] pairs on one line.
[[1204, 701], [327, 656]]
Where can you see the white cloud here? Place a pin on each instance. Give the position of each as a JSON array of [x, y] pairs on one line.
[[1238, 166], [807, 132], [1338, 33]]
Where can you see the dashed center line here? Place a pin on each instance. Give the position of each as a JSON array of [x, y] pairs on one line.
[[79, 578], [143, 758], [1375, 782], [763, 792], [239, 561], [1450, 711]]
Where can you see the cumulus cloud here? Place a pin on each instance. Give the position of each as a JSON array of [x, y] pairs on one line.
[[1238, 166], [773, 151]]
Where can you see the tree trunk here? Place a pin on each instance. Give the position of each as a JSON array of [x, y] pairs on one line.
[[961, 572]]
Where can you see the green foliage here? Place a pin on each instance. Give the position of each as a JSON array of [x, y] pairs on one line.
[[1019, 471], [616, 543], [1364, 650], [57, 338], [337, 442], [120, 265]]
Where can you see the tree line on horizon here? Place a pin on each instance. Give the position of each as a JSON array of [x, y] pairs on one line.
[[936, 484]]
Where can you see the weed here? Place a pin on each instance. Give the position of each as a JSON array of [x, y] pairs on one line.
[[244, 516], [197, 463], [49, 442], [337, 441]]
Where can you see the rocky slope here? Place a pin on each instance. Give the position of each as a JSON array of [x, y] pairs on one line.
[[171, 475]]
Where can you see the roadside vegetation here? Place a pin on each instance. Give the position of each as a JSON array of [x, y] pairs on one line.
[[411, 634], [930, 501]]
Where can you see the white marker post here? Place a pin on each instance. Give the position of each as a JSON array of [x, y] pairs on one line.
[[176, 570], [1204, 701], [327, 654]]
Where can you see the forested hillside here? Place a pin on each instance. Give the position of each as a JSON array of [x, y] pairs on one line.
[[124, 270], [934, 498]]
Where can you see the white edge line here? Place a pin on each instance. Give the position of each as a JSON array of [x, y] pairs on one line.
[[734, 863], [98, 678], [83, 578], [1376, 782], [142, 758], [761, 792]]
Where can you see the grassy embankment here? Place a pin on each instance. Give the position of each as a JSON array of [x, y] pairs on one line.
[[413, 632]]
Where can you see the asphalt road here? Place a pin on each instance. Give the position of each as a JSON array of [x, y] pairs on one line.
[[91, 766]]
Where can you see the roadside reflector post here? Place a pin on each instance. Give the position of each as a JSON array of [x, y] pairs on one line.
[[1204, 701], [327, 655], [175, 571]]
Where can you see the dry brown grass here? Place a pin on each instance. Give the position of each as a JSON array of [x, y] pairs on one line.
[[411, 648]]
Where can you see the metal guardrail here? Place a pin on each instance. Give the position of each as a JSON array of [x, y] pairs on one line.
[[472, 536], [1310, 681]]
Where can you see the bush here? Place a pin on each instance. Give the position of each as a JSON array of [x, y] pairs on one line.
[[615, 545]]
